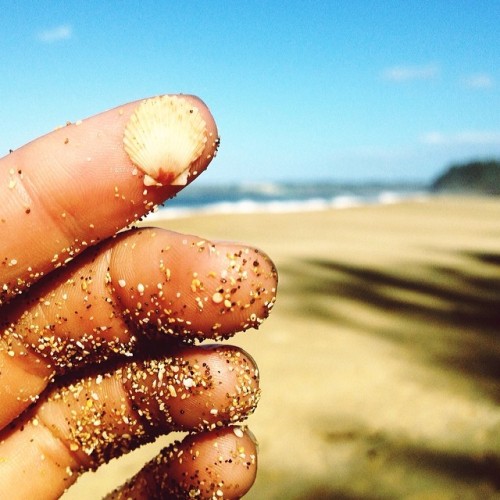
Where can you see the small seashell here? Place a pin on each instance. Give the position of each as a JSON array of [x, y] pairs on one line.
[[163, 137]]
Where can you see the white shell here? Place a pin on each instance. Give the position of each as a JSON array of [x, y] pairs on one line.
[[163, 137]]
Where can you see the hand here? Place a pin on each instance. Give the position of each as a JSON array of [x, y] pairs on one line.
[[97, 352]]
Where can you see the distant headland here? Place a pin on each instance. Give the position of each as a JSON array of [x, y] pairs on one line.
[[474, 177]]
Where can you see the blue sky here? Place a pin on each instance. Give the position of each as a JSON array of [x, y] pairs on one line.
[[333, 90]]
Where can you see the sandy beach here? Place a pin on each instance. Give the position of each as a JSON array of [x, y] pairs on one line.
[[380, 365]]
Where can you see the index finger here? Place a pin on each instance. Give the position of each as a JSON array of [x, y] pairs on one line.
[[85, 181]]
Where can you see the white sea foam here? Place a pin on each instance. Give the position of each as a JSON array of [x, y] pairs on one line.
[[314, 204]]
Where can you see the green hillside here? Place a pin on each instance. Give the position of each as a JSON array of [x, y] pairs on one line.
[[481, 177]]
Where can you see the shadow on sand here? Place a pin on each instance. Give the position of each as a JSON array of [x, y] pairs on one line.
[[444, 316], [476, 474], [447, 315]]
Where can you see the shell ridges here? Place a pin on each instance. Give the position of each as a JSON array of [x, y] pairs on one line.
[[163, 137]]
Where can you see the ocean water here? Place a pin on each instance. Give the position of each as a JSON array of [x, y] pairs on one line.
[[283, 197]]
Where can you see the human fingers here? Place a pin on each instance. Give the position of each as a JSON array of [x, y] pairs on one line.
[[86, 422], [83, 182], [216, 464], [144, 283]]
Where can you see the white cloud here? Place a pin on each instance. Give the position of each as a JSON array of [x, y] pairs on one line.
[[62, 32], [468, 137], [410, 73], [479, 81]]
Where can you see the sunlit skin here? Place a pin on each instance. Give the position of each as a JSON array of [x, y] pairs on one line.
[[98, 330]]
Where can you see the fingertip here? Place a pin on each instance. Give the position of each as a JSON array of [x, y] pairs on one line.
[[195, 288], [215, 464], [79, 184], [195, 388]]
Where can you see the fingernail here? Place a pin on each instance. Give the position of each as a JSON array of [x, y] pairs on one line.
[[252, 437]]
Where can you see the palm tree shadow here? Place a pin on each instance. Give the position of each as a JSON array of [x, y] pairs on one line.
[[441, 315], [378, 451], [447, 315]]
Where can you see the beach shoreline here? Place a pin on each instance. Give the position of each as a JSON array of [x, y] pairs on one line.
[[379, 364]]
